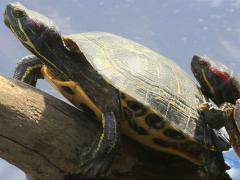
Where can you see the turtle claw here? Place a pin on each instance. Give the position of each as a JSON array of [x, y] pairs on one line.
[[204, 106], [94, 163]]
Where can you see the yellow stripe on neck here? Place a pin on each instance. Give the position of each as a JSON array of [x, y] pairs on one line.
[[30, 44], [208, 84], [79, 95]]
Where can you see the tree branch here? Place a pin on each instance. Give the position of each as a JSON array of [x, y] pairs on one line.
[[44, 137]]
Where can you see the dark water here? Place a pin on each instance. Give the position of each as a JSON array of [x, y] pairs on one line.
[[177, 29]]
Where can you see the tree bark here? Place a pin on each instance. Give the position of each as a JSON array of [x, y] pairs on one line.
[[44, 137]]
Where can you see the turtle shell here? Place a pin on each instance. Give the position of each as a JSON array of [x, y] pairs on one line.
[[146, 76], [148, 79]]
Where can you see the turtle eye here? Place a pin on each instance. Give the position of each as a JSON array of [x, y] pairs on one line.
[[18, 13]]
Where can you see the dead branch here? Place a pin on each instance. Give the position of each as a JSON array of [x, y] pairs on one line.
[[44, 137]]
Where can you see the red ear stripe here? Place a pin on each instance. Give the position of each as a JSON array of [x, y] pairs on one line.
[[223, 75]]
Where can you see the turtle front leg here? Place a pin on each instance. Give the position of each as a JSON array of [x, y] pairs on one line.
[[28, 70], [226, 115], [99, 156]]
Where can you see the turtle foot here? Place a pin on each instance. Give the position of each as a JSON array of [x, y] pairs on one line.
[[213, 115], [205, 106], [96, 160], [95, 163]]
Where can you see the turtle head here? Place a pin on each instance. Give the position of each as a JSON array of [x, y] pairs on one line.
[[30, 27], [216, 80], [37, 33]]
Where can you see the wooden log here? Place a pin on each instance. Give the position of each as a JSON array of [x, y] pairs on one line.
[[44, 137]]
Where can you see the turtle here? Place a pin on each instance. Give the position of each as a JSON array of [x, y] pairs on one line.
[[130, 89], [222, 86]]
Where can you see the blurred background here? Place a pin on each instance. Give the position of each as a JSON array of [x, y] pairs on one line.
[[177, 29]]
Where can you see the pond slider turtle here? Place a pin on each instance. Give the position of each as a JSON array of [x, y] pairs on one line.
[[127, 86], [220, 84]]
